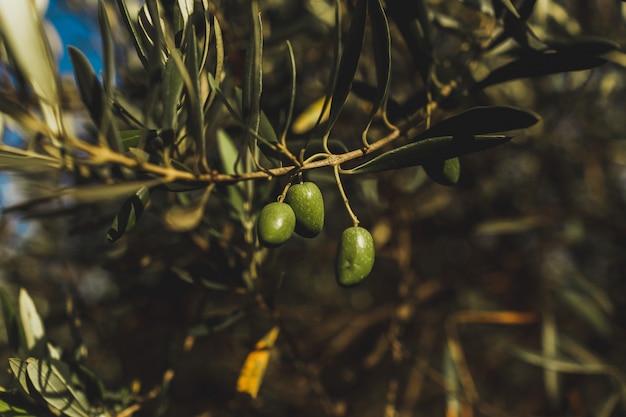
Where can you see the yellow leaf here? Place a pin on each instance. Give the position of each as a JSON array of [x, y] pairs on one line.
[[253, 369], [307, 119]]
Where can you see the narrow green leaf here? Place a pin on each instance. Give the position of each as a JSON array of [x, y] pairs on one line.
[[130, 138], [31, 322], [127, 217], [411, 18], [538, 64], [348, 63], [92, 95], [382, 54], [52, 380], [253, 75], [12, 324], [480, 121], [108, 52], [172, 87], [195, 115], [428, 150], [129, 22]]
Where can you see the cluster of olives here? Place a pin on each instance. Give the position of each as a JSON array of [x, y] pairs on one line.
[[302, 211]]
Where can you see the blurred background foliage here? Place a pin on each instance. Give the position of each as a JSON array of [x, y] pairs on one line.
[[500, 296]]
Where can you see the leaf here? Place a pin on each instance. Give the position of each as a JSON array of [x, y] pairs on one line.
[[428, 150], [130, 138], [195, 115], [172, 87], [108, 52], [216, 323], [26, 161], [13, 404], [130, 26], [184, 219], [127, 217], [348, 63], [93, 97], [538, 64], [52, 380], [382, 54], [587, 309], [310, 116], [253, 369], [480, 121], [31, 322], [12, 324], [411, 18], [18, 369], [253, 74], [24, 36]]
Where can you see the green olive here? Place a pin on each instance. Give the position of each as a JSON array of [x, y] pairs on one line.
[[307, 203], [445, 172], [355, 256], [275, 224]]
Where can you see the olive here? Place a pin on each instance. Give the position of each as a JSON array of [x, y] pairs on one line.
[[275, 224], [445, 172], [355, 256], [307, 203]]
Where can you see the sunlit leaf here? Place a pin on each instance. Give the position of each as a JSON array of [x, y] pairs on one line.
[[172, 87], [253, 369], [25, 38], [348, 63], [309, 117], [12, 324], [129, 22], [428, 150], [52, 379], [186, 218], [31, 322], [127, 217], [18, 369]]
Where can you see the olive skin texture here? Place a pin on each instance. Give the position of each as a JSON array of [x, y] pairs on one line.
[[275, 224], [355, 256], [308, 204]]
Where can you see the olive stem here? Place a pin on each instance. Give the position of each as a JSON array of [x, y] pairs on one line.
[[353, 216]]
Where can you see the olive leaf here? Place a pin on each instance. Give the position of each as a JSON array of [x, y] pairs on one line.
[[195, 114], [31, 322], [216, 323], [428, 150], [52, 380], [171, 89], [537, 64], [413, 22], [253, 75], [481, 120], [26, 161], [18, 369], [129, 22], [185, 218], [382, 55], [12, 324], [127, 217], [108, 53], [348, 63], [92, 95]]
